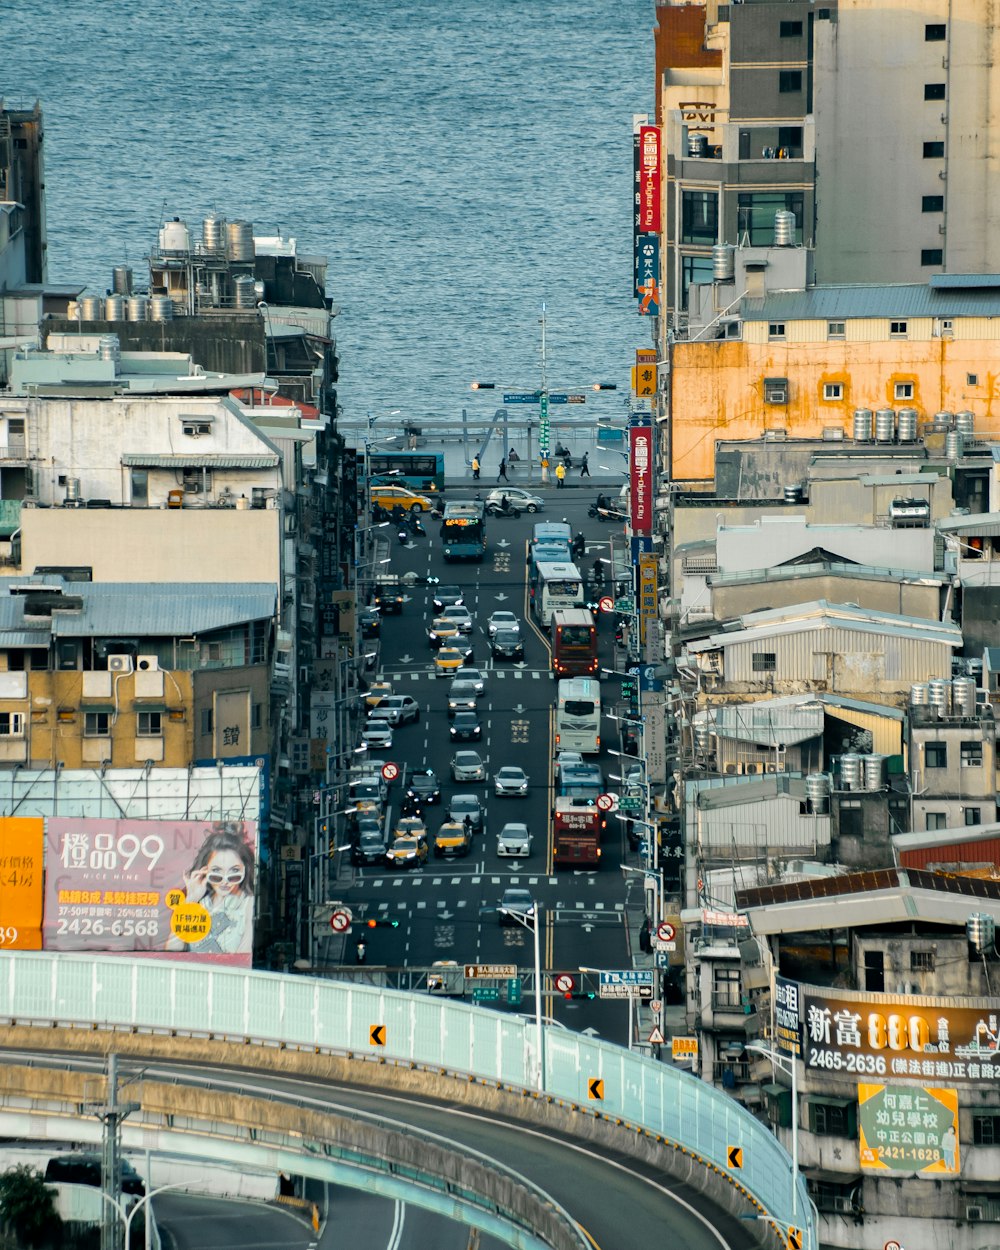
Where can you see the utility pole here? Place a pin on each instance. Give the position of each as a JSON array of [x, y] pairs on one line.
[[111, 1113]]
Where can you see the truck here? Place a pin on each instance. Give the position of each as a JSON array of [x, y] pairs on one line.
[[576, 833], [388, 594]]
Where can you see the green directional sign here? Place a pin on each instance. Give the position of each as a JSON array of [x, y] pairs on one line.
[[543, 423], [514, 991], [630, 803], [486, 993], [625, 606]]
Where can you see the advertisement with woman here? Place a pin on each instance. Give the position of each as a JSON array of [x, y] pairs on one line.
[[181, 889]]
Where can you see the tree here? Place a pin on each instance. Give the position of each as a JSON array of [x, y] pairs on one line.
[[27, 1206]]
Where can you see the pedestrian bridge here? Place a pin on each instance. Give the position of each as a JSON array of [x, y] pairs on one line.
[[430, 1048]]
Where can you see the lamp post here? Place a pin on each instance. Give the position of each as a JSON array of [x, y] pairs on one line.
[[369, 439], [527, 921], [787, 1064]]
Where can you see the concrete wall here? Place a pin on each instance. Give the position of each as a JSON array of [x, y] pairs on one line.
[[906, 599]]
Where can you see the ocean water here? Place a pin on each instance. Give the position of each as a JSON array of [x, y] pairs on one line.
[[458, 163]]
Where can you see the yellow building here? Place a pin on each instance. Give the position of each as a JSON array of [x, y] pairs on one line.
[[805, 361]]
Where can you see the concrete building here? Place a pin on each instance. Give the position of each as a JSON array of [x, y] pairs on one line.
[[953, 764]]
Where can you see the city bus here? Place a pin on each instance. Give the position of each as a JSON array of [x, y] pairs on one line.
[[420, 471], [552, 586], [574, 643], [463, 530], [576, 833], [578, 715]]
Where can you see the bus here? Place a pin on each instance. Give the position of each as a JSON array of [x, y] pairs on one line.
[[576, 833], [420, 471], [578, 715], [463, 530], [574, 643], [552, 586]]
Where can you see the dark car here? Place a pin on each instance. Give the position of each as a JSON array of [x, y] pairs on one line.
[[371, 622], [389, 597], [517, 907], [448, 597], [370, 847], [86, 1170], [422, 784], [465, 727], [462, 696], [507, 644]]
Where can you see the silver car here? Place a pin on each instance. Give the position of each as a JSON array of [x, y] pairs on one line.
[[514, 840], [510, 782], [376, 735], [503, 620], [468, 766], [460, 616], [519, 498]]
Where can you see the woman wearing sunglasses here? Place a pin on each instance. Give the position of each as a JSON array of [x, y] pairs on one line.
[[221, 879]]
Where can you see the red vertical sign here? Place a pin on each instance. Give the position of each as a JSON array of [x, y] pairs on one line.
[[649, 179], [640, 468]]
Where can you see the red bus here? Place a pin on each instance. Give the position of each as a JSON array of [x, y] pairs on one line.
[[574, 643], [576, 833]]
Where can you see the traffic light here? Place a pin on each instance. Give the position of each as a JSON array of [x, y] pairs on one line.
[[579, 994], [382, 924], [482, 386], [605, 386]]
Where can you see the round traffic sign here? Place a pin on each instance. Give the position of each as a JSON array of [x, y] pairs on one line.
[[340, 921], [665, 932], [892, 1245], [605, 604], [605, 802], [390, 771], [564, 982], [654, 1006]]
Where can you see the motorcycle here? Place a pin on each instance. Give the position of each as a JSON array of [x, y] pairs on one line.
[[579, 547], [495, 510], [402, 537], [610, 514], [600, 502], [360, 950], [416, 525]]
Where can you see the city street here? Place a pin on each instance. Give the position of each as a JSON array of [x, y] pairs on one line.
[[447, 910]]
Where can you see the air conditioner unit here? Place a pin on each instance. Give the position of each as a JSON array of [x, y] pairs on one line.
[[147, 663], [776, 395], [973, 1214], [749, 769], [119, 664], [842, 1204]]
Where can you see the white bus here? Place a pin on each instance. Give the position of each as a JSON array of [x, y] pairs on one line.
[[554, 585], [578, 715]]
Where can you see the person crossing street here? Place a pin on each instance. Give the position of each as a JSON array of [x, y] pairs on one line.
[[503, 469], [560, 474]]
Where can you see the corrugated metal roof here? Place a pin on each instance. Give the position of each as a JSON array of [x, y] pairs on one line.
[[985, 523], [763, 722], [775, 786], [220, 460], [23, 638], [946, 837], [839, 303], [862, 705], [945, 281], [820, 615]]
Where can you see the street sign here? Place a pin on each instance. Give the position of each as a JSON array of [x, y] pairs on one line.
[[595, 1088], [684, 1048], [498, 972], [655, 1006], [376, 1034], [522, 397], [734, 1156], [390, 771], [513, 991], [630, 803], [661, 959], [625, 606], [892, 1245], [606, 604], [564, 982], [665, 931], [629, 983], [656, 1035], [340, 921], [606, 802], [486, 993], [649, 677]]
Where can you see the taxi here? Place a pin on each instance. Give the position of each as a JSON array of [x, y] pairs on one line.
[[377, 691], [450, 659], [384, 495], [407, 853], [410, 827], [443, 629], [453, 838]]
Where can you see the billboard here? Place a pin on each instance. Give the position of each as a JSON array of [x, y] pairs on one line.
[[640, 470], [647, 274], [22, 840], [649, 179], [648, 600], [173, 888], [906, 1128]]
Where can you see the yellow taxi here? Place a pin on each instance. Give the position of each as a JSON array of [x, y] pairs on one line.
[[450, 659], [407, 853], [389, 497], [443, 629], [453, 838], [410, 827], [377, 691]]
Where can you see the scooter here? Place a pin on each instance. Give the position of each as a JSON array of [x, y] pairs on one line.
[[416, 525], [360, 951], [402, 537], [599, 503], [510, 510], [610, 514]]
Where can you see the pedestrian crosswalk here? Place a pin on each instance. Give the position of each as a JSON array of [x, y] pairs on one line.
[[497, 674]]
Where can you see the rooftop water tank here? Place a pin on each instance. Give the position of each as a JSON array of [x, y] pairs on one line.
[[874, 766], [175, 237], [697, 143], [239, 238], [138, 308], [942, 421], [91, 308], [954, 444], [213, 233], [723, 262], [121, 280], [243, 291], [851, 771], [963, 696], [965, 423], [862, 426], [939, 695], [115, 308], [784, 228], [920, 694], [161, 308], [108, 348], [818, 792], [906, 425], [885, 425]]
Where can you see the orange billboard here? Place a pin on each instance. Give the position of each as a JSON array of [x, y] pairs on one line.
[[22, 839]]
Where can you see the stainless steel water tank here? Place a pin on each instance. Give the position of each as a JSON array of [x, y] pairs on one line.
[[243, 292], [72, 489], [963, 696], [109, 348], [697, 143], [73, 311], [818, 792], [92, 308], [851, 771], [965, 423], [920, 694], [906, 425], [794, 493], [161, 308], [121, 279], [723, 262], [138, 308], [115, 308], [874, 766], [784, 228], [981, 930], [862, 427], [954, 444], [213, 233], [703, 736], [239, 239], [885, 425], [939, 695], [942, 421]]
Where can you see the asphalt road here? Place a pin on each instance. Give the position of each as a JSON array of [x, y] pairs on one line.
[[446, 909], [194, 1223]]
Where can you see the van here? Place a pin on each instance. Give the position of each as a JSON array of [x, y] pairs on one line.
[[551, 531], [85, 1169]]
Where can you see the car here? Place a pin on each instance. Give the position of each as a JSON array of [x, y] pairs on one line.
[[453, 838], [514, 839], [503, 620], [449, 660], [443, 630], [507, 644], [387, 496], [85, 1169], [519, 498], [448, 597], [370, 622], [377, 691], [460, 615], [477, 677], [365, 798], [389, 596], [395, 709], [407, 853], [409, 827], [376, 735], [370, 847], [422, 783], [510, 781], [465, 727], [462, 696], [572, 759], [462, 805], [516, 907], [468, 766]]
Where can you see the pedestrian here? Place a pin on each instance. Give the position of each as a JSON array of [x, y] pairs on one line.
[[584, 466], [503, 469], [475, 468], [560, 474]]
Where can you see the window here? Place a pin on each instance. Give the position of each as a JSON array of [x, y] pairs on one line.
[[934, 149], [897, 329], [829, 1120], [775, 329], [932, 204], [947, 325], [971, 753], [973, 815], [195, 429], [789, 80], [935, 755], [148, 724], [921, 961], [255, 716], [764, 661], [97, 724], [933, 90], [755, 215], [935, 32], [971, 379], [700, 211], [835, 329], [934, 821], [726, 990], [833, 390], [11, 724], [903, 390], [196, 480], [931, 256], [986, 1127], [790, 30], [140, 487], [206, 720], [696, 271]]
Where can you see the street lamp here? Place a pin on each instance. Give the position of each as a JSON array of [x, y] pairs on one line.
[[527, 921], [787, 1064]]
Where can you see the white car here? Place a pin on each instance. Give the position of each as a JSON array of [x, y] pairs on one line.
[[519, 498], [377, 735], [514, 840], [503, 620], [511, 782], [477, 677], [460, 615], [468, 766]]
